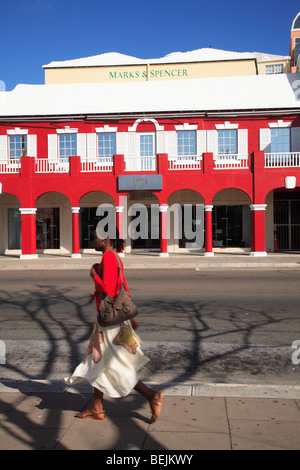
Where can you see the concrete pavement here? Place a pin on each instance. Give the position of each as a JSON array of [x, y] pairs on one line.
[[152, 260], [40, 414]]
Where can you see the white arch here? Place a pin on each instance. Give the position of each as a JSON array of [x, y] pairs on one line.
[[157, 126]]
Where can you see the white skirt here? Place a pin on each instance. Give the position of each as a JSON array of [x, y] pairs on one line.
[[112, 360]]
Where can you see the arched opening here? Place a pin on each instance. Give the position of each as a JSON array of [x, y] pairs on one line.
[[186, 221], [283, 219], [53, 223], [143, 222], [88, 218], [231, 219]]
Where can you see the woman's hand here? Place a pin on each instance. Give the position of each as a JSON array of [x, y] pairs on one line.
[[133, 323], [93, 271]]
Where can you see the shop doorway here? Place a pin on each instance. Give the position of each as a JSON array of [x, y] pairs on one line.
[[47, 228], [287, 220], [230, 224]]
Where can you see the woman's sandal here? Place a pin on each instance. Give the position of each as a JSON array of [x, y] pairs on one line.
[[156, 401], [91, 414]]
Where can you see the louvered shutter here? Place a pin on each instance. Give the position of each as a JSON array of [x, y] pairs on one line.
[[52, 146], [31, 145], [265, 140]]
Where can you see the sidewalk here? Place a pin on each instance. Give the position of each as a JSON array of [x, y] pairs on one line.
[[152, 260], [195, 416], [40, 415]]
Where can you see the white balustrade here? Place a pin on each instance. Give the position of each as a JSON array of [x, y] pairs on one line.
[[230, 161], [282, 160]]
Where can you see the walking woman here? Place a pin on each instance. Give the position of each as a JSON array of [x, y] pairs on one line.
[[113, 356]]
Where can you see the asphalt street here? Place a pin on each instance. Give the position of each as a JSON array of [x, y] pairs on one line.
[[225, 325]]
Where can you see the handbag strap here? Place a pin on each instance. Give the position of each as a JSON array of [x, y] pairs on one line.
[[119, 270]]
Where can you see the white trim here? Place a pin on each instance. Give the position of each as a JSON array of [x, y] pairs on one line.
[[226, 125], [67, 130], [208, 253], [28, 256], [164, 208], [258, 207], [28, 210], [75, 255], [137, 122], [106, 128], [119, 208], [258, 253], [75, 210], [279, 123], [187, 127], [208, 208], [163, 255], [17, 131]]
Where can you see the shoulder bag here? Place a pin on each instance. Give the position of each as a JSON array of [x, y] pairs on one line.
[[115, 310]]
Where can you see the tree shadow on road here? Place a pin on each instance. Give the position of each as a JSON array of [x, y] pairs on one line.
[[62, 314]]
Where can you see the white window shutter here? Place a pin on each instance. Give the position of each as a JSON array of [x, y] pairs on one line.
[[81, 145], [3, 147], [161, 141], [265, 140], [242, 142], [52, 146], [295, 136], [91, 150], [130, 150], [31, 145], [212, 142], [171, 143], [201, 142], [121, 143]]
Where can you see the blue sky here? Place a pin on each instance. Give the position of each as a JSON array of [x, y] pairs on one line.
[[35, 32]]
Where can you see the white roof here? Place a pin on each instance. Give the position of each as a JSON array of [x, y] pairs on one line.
[[199, 55], [254, 92]]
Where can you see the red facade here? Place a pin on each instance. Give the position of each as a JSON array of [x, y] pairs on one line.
[[254, 176]]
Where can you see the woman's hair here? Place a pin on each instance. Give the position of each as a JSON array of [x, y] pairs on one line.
[[109, 229], [118, 243]]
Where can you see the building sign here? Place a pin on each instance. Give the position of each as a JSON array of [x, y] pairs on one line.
[[140, 182], [157, 73]]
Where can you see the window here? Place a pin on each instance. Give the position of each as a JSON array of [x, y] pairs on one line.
[[67, 145], [147, 151], [280, 140], [297, 49], [186, 143], [227, 142], [17, 146], [106, 145], [276, 68], [146, 145]]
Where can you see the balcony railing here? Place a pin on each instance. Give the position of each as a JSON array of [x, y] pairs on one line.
[[145, 164], [10, 166], [45, 165], [133, 163], [100, 164], [185, 162], [282, 160], [231, 161]]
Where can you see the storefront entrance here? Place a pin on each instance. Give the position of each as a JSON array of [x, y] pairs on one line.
[[287, 220], [231, 226], [47, 228]]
